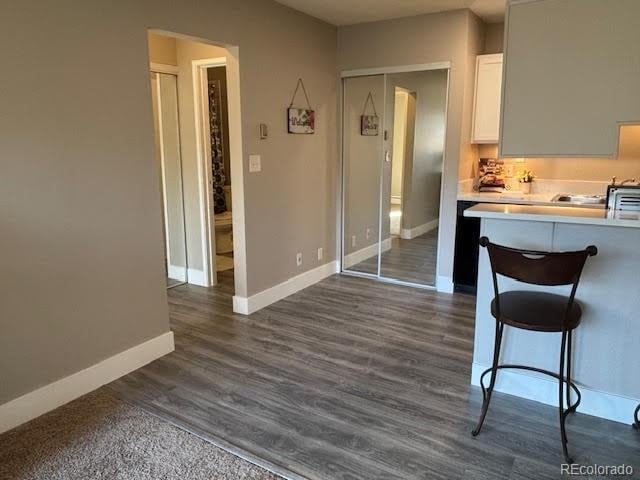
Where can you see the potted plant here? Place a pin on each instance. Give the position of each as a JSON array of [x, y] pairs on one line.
[[525, 178]]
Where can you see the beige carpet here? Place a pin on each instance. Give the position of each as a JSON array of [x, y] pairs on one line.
[[101, 437]]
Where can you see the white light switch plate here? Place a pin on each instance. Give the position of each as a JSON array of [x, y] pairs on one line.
[[255, 164]]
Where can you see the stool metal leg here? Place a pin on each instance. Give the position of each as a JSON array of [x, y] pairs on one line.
[[569, 338], [486, 393], [561, 396]]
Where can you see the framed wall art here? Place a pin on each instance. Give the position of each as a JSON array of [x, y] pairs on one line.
[[369, 124], [301, 120]]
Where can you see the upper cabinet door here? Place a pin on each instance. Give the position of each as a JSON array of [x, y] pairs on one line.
[[488, 91], [572, 75]]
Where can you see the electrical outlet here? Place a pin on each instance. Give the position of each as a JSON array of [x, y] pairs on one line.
[[320, 253], [368, 233], [509, 170], [353, 241], [299, 259]]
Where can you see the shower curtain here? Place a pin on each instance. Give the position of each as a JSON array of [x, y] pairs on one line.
[[217, 152]]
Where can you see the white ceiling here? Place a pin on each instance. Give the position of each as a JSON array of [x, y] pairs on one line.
[[348, 12]]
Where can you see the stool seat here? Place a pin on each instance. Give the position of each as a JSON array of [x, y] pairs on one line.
[[537, 311]]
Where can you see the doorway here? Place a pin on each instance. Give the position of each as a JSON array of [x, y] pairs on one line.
[[402, 154], [212, 122], [392, 174], [209, 144]]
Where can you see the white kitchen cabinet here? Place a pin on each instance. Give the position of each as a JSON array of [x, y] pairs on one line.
[[488, 92]]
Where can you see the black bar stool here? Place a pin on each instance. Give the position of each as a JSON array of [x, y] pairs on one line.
[[536, 311]]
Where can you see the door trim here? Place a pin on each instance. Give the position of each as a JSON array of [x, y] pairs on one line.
[[203, 149], [419, 67], [164, 68]]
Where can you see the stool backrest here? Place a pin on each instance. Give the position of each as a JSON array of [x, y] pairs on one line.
[[536, 267]]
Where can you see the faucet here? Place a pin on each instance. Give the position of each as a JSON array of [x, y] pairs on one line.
[[624, 182]]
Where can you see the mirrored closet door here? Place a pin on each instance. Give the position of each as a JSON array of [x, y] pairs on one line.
[[164, 93], [393, 152], [362, 167]]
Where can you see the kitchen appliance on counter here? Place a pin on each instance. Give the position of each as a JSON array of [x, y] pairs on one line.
[[623, 197]]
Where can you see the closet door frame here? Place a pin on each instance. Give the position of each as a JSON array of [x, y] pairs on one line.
[[385, 71], [164, 69]]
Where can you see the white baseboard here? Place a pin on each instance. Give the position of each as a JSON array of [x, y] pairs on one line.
[[444, 284], [364, 253], [411, 233], [196, 277], [241, 305], [177, 272], [271, 295], [47, 398], [545, 390]]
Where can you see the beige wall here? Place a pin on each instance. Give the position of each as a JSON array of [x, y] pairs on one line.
[[163, 49], [494, 38], [82, 262], [451, 36]]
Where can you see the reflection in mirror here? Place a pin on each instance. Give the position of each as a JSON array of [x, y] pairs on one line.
[[415, 118], [167, 138], [363, 152]]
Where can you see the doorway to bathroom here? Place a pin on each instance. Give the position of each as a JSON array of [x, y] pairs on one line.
[[205, 141], [217, 133]]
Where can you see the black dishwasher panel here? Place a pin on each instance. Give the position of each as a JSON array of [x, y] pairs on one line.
[[467, 250]]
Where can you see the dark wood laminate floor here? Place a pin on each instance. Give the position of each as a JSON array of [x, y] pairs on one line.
[[355, 379], [411, 261]]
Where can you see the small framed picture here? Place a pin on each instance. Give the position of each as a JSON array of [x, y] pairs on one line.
[[369, 125], [301, 120]]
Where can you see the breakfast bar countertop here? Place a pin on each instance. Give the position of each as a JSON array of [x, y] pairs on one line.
[[555, 214], [606, 353]]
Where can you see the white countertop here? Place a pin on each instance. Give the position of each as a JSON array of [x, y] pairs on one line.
[[556, 214]]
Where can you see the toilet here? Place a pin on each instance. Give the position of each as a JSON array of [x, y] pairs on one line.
[[224, 227], [224, 232]]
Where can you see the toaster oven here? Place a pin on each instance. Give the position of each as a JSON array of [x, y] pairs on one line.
[[623, 197]]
